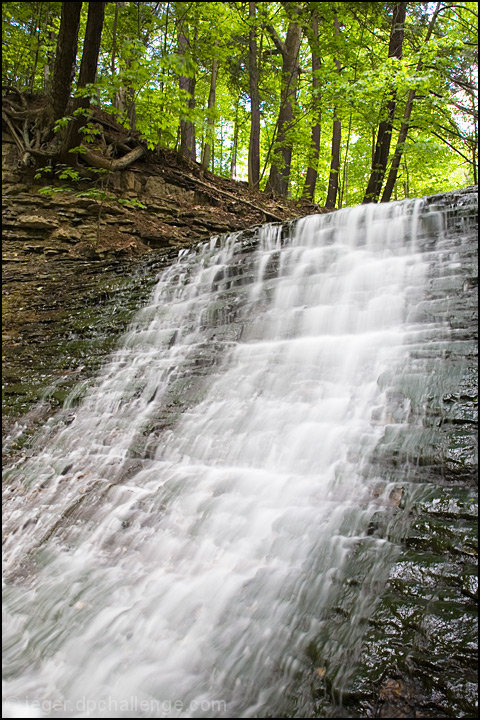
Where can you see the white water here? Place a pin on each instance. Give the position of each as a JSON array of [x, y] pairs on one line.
[[183, 568]]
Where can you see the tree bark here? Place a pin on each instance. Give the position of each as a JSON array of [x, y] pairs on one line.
[[384, 135], [233, 159], [335, 162], [37, 27], [278, 179], [91, 48], [65, 57], [207, 148], [312, 170], [254, 143], [187, 85], [88, 71], [336, 144], [47, 68], [114, 40], [402, 135]]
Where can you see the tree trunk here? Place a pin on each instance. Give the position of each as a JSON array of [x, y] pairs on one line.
[[47, 68], [114, 40], [207, 148], [187, 85], [335, 163], [312, 170], [37, 26], [114, 52], [233, 160], [254, 143], [65, 57], [278, 179], [402, 135], [124, 97], [336, 144], [91, 48], [88, 70], [384, 135]]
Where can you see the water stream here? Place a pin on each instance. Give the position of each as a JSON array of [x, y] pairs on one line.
[[199, 517]]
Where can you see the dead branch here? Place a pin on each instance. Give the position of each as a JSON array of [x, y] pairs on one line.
[[217, 190]]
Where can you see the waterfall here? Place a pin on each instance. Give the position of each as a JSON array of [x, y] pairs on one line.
[[191, 536]]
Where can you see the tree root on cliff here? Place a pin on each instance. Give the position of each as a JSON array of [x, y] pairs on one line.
[[33, 135]]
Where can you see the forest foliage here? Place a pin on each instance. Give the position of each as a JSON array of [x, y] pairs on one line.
[[341, 103]]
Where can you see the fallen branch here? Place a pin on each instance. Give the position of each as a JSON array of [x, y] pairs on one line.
[[214, 189]]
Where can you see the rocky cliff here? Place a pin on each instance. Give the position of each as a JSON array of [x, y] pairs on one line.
[[74, 265]]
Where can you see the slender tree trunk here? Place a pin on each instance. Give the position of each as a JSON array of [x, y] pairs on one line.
[[402, 135], [47, 68], [131, 109], [220, 169], [336, 144], [345, 165], [335, 163], [384, 135], [114, 41], [124, 97], [254, 143], [91, 48], [38, 28], [207, 148], [65, 57], [278, 179], [406, 184], [233, 161], [314, 153]]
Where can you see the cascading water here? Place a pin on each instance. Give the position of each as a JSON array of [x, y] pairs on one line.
[[193, 536]]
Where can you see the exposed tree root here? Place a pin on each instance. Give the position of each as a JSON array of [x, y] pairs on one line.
[[101, 161], [35, 140]]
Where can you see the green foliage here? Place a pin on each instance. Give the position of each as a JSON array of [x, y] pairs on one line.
[[131, 202], [53, 189], [95, 194], [43, 171], [139, 68], [89, 132], [62, 123], [69, 173]]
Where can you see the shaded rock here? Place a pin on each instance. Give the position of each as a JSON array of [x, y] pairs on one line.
[[66, 234], [37, 222]]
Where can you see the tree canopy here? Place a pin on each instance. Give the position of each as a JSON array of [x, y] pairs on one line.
[[338, 102]]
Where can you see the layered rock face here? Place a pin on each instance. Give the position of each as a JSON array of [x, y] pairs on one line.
[[419, 657], [158, 204]]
